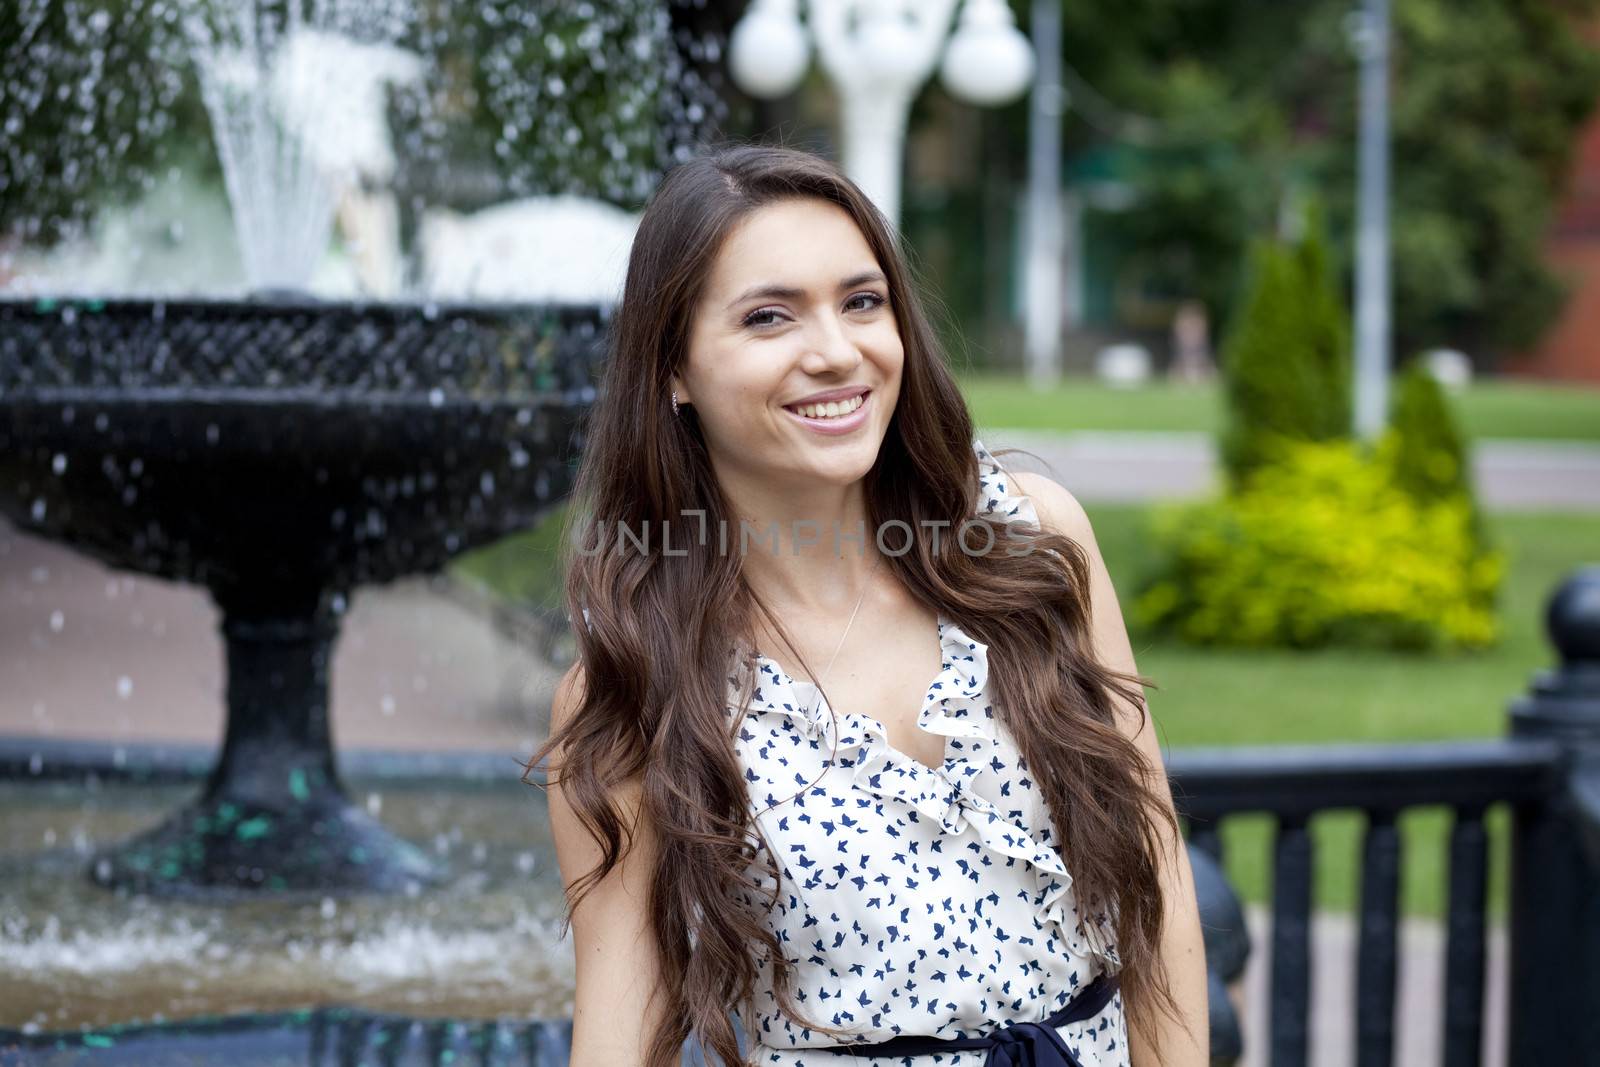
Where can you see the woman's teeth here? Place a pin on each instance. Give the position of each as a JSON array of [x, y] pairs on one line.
[[830, 410]]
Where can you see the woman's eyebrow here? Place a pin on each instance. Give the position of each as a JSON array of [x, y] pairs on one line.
[[783, 292]]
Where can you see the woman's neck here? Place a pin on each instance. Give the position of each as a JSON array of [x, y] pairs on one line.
[[803, 551]]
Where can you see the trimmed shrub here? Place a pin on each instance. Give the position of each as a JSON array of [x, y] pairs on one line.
[[1322, 548], [1432, 461], [1286, 363]]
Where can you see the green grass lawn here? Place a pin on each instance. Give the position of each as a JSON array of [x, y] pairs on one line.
[[1219, 697], [1486, 409]]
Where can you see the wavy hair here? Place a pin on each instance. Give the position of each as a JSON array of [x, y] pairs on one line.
[[663, 630]]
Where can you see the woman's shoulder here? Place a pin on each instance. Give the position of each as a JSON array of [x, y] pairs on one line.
[[1028, 495], [1057, 508], [569, 694]]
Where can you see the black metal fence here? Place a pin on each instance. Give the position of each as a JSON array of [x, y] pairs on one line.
[[1547, 773]]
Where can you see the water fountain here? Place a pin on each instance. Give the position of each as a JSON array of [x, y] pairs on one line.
[[128, 427], [282, 450], [127, 430]]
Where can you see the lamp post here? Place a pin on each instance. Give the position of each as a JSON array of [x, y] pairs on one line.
[[1370, 31], [877, 54]]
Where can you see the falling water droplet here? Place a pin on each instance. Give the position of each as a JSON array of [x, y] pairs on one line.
[[436, 397], [213, 433], [59, 463], [124, 687], [387, 704], [36, 764], [58, 620], [374, 804], [39, 509], [330, 907]]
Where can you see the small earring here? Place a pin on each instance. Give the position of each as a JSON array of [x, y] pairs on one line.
[[674, 401]]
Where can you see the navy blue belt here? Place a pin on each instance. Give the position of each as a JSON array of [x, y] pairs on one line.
[[1013, 1045]]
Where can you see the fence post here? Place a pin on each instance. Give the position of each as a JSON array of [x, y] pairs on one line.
[[1555, 848]]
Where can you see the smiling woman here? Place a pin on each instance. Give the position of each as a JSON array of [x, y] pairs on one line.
[[814, 318], [964, 843]]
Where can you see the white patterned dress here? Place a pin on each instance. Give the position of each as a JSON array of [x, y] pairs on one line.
[[914, 900]]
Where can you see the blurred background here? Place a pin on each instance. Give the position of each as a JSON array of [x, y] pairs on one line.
[[1301, 299]]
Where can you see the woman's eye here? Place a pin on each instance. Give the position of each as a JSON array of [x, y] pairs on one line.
[[763, 317]]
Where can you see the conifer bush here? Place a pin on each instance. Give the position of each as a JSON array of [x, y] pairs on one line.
[[1432, 461], [1286, 362]]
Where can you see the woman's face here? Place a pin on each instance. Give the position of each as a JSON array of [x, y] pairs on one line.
[[796, 305]]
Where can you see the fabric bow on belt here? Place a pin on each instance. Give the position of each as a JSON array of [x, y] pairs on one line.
[[1015, 1045], [1029, 1045]]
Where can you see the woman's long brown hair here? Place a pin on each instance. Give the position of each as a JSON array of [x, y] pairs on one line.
[[662, 629]]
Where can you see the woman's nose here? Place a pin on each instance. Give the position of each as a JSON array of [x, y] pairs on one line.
[[832, 345]]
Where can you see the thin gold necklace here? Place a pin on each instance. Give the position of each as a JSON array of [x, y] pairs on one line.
[[866, 583]]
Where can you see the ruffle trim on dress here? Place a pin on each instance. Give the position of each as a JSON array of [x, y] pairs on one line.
[[954, 706], [1000, 500]]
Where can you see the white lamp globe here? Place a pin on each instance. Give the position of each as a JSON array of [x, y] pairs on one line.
[[988, 61], [888, 49], [768, 53]]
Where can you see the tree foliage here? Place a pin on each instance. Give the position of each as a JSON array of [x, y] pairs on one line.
[[1253, 103], [568, 96], [91, 95], [595, 97]]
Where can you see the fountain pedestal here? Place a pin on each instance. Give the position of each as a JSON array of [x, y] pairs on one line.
[[274, 814]]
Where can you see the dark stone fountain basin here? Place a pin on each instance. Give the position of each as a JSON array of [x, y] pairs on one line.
[[282, 453]]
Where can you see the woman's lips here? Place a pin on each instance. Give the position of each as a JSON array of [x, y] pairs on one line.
[[839, 424]]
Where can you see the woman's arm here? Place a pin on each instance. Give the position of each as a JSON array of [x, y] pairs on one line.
[[1182, 948], [613, 945]]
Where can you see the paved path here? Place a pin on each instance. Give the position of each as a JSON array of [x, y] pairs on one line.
[[1129, 468]]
